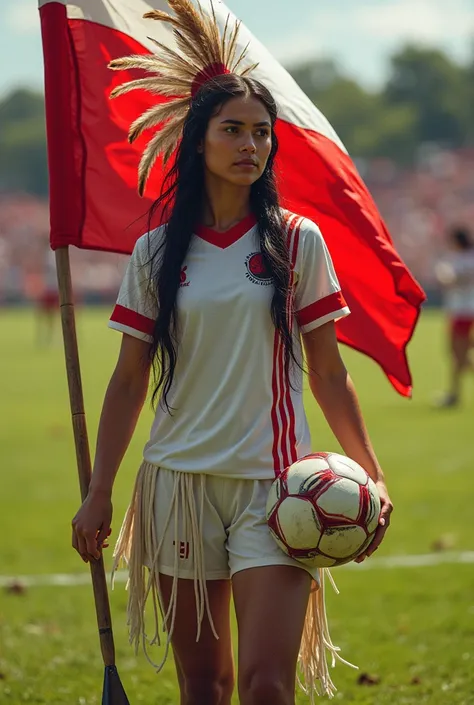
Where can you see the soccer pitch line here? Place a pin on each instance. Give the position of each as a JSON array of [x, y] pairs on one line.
[[405, 561]]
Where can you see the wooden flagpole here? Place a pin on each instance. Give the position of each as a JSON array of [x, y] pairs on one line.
[[113, 690]]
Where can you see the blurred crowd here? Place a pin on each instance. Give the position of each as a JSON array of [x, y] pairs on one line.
[[422, 205], [419, 205], [27, 264]]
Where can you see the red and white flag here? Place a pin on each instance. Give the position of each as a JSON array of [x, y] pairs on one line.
[[93, 169]]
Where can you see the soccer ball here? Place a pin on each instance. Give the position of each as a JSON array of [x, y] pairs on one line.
[[323, 510]]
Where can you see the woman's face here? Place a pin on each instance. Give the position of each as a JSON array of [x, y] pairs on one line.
[[238, 141]]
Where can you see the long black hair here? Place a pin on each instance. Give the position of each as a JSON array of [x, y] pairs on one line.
[[183, 198]]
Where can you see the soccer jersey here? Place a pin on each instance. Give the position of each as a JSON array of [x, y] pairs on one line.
[[234, 410], [459, 297]]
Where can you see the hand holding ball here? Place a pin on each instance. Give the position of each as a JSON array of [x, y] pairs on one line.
[[323, 510]]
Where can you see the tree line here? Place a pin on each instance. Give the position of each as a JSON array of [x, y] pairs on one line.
[[427, 97]]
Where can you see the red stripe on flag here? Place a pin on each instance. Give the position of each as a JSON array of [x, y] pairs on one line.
[[66, 148], [93, 170], [329, 304], [384, 299], [132, 319]]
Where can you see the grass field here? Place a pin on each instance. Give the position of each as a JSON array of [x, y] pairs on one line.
[[412, 629]]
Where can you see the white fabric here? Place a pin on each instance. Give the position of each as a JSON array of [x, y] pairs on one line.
[[235, 534], [126, 16], [459, 297], [50, 277], [234, 412]]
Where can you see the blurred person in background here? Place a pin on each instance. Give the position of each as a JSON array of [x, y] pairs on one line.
[[48, 299], [455, 273]]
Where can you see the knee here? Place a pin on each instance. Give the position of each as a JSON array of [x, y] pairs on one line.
[[261, 687], [201, 689]]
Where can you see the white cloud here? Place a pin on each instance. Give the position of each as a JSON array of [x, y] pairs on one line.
[[22, 17], [424, 21], [298, 46], [361, 34]]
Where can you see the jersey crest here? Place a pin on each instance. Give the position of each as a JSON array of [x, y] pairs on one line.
[[256, 269]]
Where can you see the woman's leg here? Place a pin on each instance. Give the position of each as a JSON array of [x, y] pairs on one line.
[[205, 668], [270, 604], [459, 350], [460, 345]]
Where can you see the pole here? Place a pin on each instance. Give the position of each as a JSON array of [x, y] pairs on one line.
[[81, 441]]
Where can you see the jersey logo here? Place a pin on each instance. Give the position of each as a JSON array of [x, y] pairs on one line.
[[256, 270], [183, 549], [183, 278]]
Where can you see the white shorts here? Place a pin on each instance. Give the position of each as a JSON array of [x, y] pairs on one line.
[[230, 517]]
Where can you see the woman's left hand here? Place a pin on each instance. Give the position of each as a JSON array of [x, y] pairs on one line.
[[386, 508]]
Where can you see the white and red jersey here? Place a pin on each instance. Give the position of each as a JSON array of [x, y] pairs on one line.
[[234, 411], [459, 296], [50, 277]]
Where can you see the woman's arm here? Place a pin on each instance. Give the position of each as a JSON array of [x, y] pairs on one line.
[[334, 391], [124, 399]]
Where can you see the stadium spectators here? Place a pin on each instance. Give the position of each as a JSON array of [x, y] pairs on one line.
[[420, 205], [24, 220]]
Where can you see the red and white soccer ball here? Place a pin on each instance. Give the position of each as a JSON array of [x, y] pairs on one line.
[[323, 510]]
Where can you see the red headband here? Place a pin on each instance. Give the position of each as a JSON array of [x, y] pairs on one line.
[[207, 73]]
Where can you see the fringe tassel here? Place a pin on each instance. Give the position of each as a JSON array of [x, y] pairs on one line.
[[313, 677], [139, 548]]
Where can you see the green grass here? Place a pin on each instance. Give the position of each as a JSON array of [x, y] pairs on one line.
[[413, 628]]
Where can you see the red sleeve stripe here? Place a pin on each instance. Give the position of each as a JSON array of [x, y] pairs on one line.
[[329, 304], [132, 319]]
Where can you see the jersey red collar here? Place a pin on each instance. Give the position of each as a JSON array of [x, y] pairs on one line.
[[228, 237]]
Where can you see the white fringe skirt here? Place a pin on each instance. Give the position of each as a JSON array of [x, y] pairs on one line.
[[139, 547]]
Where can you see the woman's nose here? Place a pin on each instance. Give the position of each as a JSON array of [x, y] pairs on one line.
[[248, 146]]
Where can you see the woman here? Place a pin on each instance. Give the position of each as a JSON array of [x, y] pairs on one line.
[[217, 301], [455, 273]]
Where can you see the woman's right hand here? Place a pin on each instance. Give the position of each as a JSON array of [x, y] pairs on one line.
[[91, 525]]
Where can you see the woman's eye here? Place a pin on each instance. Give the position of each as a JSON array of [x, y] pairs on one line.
[[231, 129], [263, 133]]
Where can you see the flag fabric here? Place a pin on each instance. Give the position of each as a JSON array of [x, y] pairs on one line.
[[93, 170]]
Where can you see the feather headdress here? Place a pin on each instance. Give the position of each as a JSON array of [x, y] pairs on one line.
[[201, 54]]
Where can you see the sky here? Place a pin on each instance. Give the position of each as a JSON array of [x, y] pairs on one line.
[[360, 35]]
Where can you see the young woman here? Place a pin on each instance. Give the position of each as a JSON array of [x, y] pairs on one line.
[[217, 300], [455, 273]]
